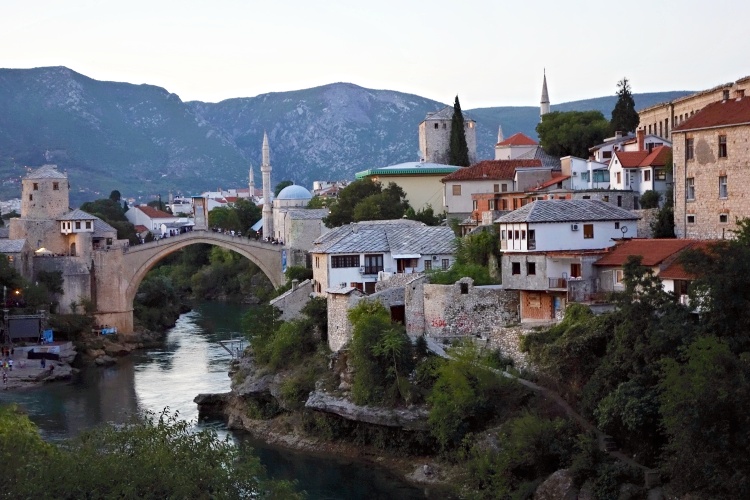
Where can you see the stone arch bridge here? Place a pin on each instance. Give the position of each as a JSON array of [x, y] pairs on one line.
[[119, 271]]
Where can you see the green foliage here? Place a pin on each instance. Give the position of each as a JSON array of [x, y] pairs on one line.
[[157, 305], [474, 256], [466, 396], [110, 211], [650, 199], [624, 115], [572, 132], [381, 354], [150, 458], [366, 200], [425, 215], [663, 225], [281, 185], [458, 153], [53, 280], [479, 273], [532, 448], [320, 202], [115, 196], [70, 326]]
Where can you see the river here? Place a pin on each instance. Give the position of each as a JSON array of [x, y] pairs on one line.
[[190, 362]]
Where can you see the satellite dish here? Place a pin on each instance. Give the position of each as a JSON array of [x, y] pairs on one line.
[[624, 230]]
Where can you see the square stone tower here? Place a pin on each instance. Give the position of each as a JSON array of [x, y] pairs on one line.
[[435, 137]]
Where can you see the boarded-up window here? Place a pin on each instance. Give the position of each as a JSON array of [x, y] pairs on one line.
[[535, 300], [456, 190]]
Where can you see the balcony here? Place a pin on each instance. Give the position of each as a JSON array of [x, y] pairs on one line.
[[558, 283]]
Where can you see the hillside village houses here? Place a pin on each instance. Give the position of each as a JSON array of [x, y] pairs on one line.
[[158, 222]]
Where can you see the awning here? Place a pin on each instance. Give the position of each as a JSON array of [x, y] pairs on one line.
[[406, 255], [257, 226]]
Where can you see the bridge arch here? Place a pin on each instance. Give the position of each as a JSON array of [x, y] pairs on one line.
[[118, 282]]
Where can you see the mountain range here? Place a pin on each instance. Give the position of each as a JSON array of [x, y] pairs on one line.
[[144, 141]]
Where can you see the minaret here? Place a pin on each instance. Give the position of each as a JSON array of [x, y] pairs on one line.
[[251, 183], [265, 170], [500, 137], [544, 107]]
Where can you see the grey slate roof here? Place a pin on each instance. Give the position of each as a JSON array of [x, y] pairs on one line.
[[4, 232], [46, 172], [395, 236], [445, 114], [101, 227], [567, 211], [308, 213], [538, 153], [77, 214], [11, 246]]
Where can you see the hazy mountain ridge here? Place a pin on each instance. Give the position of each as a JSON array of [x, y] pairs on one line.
[[143, 140]]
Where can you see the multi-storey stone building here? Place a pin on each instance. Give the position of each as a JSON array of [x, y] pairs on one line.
[[711, 176], [435, 136], [661, 119]]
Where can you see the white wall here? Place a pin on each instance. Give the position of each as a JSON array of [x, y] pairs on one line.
[[560, 236], [462, 203]]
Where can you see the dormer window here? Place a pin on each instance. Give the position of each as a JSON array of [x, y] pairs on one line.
[[88, 224]]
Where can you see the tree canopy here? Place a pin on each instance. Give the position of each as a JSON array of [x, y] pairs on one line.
[[459, 151], [281, 185], [572, 132], [366, 200], [624, 116]]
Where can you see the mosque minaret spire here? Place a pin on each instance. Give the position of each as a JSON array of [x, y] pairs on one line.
[[251, 183], [265, 170], [544, 105]]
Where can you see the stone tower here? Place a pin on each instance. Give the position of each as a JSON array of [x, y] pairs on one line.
[[435, 136], [44, 194], [544, 105], [265, 170]]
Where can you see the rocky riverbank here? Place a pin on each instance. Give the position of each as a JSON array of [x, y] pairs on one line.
[[27, 373], [103, 350]]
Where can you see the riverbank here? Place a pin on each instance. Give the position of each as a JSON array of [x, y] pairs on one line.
[[27, 373]]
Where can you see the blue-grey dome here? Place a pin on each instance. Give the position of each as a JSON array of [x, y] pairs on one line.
[[294, 192]]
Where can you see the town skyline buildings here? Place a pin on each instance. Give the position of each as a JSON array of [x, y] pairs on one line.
[[230, 49]]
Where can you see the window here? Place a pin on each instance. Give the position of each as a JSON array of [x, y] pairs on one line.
[[646, 175], [691, 219], [456, 190], [339, 261], [532, 234], [78, 224], [446, 264], [493, 205], [726, 94], [516, 236], [523, 235], [605, 198], [502, 234], [369, 287], [618, 176], [723, 192], [496, 188], [607, 155], [437, 126], [36, 186], [531, 268], [588, 231], [635, 203], [688, 149], [464, 288], [373, 263], [474, 204], [515, 268], [445, 126], [619, 200], [427, 265], [88, 224], [722, 146], [660, 174], [31, 197], [575, 270], [690, 188], [617, 225], [504, 188], [317, 262], [723, 218], [55, 186], [585, 176], [504, 204], [618, 276]]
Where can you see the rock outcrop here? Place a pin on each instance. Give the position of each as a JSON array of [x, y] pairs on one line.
[[411, 419], [559, 486]]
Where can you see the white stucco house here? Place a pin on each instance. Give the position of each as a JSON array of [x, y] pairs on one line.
[[641, 171], [549, 248], [359, 254]]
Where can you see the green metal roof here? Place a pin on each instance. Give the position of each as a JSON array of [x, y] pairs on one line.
[[409, 168]]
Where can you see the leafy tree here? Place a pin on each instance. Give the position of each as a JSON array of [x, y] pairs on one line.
[[149, 458], [53, 280], [650, 199], [115, 196], [663, 225], [572, 132], [476, 257], [111, 212], [425, 215], [381, 354], [320, 202], [459, 151], [366, 200], [248, 213], [224, 218], [281, 185], [624, 116]]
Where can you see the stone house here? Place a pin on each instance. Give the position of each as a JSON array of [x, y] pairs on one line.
[[19, 254], [711, 155], [549, 248], [641, 171], [360, 254]]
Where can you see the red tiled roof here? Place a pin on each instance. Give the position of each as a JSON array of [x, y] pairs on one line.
[[718, 114], [140, 228], [518, 139], [631, 159], [652, 251], [153, 213], [657, 158], [675, 271], [551, 182], [231, 199], [491, 170]]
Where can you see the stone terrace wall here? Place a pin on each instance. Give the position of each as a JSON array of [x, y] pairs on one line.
[[647, 216], [292, 301]]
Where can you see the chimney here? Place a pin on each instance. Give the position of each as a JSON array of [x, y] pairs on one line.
[[618, 134], [641, 139]]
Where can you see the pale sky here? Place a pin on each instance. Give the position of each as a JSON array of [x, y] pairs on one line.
[[489, 52]]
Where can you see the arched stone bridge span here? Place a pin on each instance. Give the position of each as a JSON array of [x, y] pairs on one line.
[[119, 272]]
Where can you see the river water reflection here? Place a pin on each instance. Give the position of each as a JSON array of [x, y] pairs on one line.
[[191, 362]]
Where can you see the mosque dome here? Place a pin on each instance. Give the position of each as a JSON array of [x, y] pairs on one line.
[[294, 192]]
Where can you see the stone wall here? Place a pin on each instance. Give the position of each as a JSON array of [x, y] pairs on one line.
[[339, 327], [647, 216], [76, 279], [292, 301], [461, 309]]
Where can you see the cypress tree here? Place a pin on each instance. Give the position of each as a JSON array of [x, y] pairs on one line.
[[459, 151], [624, 116]]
